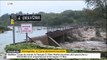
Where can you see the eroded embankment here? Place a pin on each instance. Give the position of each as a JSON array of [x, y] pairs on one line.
[[86, 38]]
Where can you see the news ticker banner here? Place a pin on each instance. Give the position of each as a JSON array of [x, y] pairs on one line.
[[39, 51], [50, 54]]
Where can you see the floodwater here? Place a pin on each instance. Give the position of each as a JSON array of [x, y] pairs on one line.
[[7, 37], [86, 45]]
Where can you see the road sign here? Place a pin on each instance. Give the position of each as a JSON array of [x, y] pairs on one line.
[[30, 17], [12, 21], [26, 28]]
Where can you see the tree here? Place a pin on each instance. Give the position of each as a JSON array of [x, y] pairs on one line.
[[99, 11], [99, 6]]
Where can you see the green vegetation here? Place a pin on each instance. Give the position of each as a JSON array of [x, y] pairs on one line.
[[3, 28], [99, 11], [68, 17], [4, 22], [19, 46]]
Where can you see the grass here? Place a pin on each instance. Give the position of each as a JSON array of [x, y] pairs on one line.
[[19, 46]]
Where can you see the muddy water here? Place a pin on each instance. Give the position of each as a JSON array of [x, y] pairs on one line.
[[86, 45]]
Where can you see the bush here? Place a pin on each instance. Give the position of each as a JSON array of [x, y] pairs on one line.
[[3, 28]]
